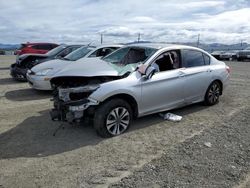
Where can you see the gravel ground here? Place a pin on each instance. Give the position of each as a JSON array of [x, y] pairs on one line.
[[219, 157], [152, 153]]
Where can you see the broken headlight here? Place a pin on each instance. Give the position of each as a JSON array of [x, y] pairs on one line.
[[77, 93]]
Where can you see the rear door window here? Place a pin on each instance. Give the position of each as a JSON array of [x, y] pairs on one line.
[[193, 58], [206, 59], [46, 47]]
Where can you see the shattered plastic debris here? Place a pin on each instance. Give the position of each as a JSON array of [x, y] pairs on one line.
[[171, 117], [208, 144]]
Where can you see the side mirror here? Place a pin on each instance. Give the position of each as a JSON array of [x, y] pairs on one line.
[[146, 71], [150, 71], [142, 69]]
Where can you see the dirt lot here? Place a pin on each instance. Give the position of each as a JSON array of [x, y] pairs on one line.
[[210, 147]]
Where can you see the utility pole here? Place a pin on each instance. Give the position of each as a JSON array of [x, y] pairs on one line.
[[242, 44], [139, 37], [101, 38], [198, 40]]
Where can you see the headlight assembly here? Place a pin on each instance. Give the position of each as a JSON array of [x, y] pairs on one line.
[[43, 72]]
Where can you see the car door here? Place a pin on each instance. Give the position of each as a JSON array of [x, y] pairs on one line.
[[197, 74], [163, 91]]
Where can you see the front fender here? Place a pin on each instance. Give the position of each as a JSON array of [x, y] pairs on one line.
[[130, 85]]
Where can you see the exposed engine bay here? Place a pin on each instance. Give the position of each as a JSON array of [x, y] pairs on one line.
[[19, 69], [71, 96], [29, 61]]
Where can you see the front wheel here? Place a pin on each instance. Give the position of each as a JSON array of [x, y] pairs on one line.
[[112, 118], [213, 94]]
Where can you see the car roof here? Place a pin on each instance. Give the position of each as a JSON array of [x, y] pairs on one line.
[[110, 45], [163, 45], [72, 45], [37, 43]]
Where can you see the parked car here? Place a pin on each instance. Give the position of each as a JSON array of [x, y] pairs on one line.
[[39, 76], [35, 48], [135, 81], [243, 54], [19, 69], [217, 54], [229, 55]]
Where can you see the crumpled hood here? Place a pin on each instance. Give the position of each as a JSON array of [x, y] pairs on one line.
[[55, 64], [90, 67]]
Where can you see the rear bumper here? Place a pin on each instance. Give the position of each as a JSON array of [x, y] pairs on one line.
[[39, 82], [18, 73]]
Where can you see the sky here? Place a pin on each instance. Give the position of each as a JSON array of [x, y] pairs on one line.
[[120, 21]]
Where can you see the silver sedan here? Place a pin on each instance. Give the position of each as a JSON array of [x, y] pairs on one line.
[[135, 81]]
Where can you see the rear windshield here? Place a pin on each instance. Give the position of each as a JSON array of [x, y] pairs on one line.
[[130, 55], [79, 53]]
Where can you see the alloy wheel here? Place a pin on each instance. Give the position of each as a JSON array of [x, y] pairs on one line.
[[214, 93], [118, 121]]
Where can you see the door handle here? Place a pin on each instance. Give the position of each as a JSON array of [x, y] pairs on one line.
[[209, 70]]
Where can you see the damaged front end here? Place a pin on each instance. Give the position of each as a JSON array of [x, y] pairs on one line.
[[19, 69], [70, 103], [71, 97]]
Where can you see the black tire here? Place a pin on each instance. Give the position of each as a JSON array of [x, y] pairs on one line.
[[106, 112], [213, 93]]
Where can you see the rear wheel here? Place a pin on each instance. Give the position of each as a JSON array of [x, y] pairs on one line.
[[213, 93], [112, 118]]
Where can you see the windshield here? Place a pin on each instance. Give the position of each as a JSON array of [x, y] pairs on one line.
[[130, 55], [55, 50], [79, 53]]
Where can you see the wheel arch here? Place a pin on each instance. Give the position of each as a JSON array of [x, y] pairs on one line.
[[219, 81], [128, 98], [221, 85]]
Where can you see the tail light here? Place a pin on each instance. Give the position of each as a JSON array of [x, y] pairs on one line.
[[228, 69]]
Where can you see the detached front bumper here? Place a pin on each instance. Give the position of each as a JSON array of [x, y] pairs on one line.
[[39, 82], [73, 111], [70, 104], [18, 73]]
